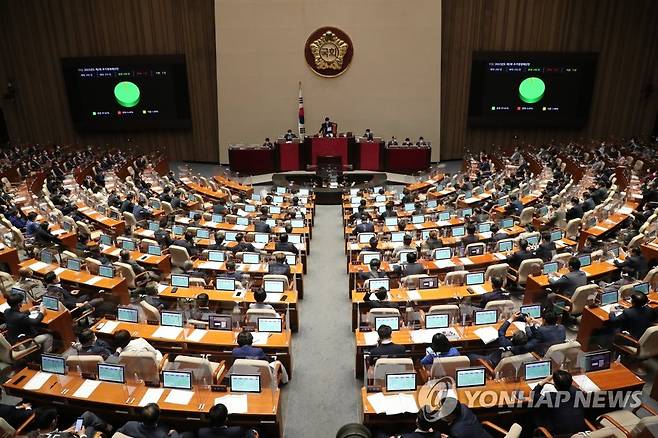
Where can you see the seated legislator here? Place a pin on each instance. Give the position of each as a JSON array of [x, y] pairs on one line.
[[518, 344], [561, 411], [327, 128], [381, 296], [245, 350], [456, 420], [498, 292], [47, 423], [385, 345], [279, 265], [20, 326], [148, 426], [546, 249], [217, 428], [375, 271], [470, 235], [412, 267], [289, 136], [541, 337], [89, 344], [515, 259], [368, 135], [242, 246], [259, 297], [365, 226], [261, 226], [636, 319], [188, 243], [284, 245], [440, 348], [635, 265], [124, 342], [572, 280]]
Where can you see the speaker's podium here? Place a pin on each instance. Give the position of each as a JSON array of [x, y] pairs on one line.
[[329, 147], [288, 154]]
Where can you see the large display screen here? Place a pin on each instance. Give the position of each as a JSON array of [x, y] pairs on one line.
[[531, 89], [127, 93]]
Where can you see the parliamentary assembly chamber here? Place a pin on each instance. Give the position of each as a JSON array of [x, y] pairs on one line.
[[328, 218]]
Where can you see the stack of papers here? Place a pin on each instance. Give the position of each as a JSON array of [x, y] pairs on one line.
[[487, 334], [37, 266], [393, 404], [162, 287], [210, 224], [109, 326], [179, 397], [478, 289], [273, 297], [625, 210], [585, 383], [152, 395], [370, 338], [424, 336], [196, 335], [58, 232], [236, 404], [166, 332], [442, 264], [239, 227], [37, 381], [86, 389], [608, 307], [59, 270], [3, 307], [260, 338]]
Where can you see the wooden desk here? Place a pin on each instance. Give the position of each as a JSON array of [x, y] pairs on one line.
[[219, 343], [650, 250], [534, 290], [9, 256], [226, 300], [113, 226], [423, 186], [59, 322], [161, 263], [205, 192], [84, 280], [467, 340], [428, 297], [612, 223], [121, 402], [617, 378], [594, 318], [234, 185]]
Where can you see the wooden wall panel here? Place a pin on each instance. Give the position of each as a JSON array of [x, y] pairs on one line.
[[625, 34], [36, 34]]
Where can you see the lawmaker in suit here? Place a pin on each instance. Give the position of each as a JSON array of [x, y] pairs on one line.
[[498, 293], [385, 346], [559, 412], [279, 266], [284, 245], [572, 280], [244, 350], [218, 417], [148, 426], [364, 227], [375, 271], [636, 319], [546, 249], [412, 267], [515, 260], [289, 136], [635, 265], [368, 135], [542, 337], [327, 128]]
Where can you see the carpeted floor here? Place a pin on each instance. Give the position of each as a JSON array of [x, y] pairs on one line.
[[322, 396]]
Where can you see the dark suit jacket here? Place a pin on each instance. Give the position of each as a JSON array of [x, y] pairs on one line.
[[514, 260], [498, 294], [286, 246], [391, 349], [545, 251], [261, 227], [19, 324], [137, 429], [635, 320], [468, 239], [189, 246], [412, 269], [574, 212], [466, 425], [221, 432], [249, 352], [636, 266], [564, 418], [278, 268], [540, 338], [243, 247], [367, 227], [569, 282], [372, 274]]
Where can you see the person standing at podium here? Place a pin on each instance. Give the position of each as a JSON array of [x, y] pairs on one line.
[[327, 128], [368, 135], [289, 136]]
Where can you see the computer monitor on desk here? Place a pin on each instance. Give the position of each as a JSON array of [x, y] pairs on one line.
[[597, 360], [378, 283], [474, 278], [442, 253], [392, 321], [245, 383], [610, 297], [178, 280], [54, 364], [505, 245], [431, 282], [550, 268], [50, 303], [470, 377], [274, 286], [106, 271], [556, 235], [270, 325], [458, 231], [585, 260], [396, 382], [642, 287], [111, 373], [216, 256], [219, 322], [127, 314], [73, 264], [225, 284], [532, 310], [390, 221], [154, 250], [485, 317], [171, 319], [537, 370], [437, 320], [177, 380]]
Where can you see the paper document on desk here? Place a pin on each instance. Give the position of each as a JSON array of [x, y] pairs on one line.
[[273, 297], [465, 261], [216, 266], [152, 395], [197, 335], [625, 210], [260, 338], [370, 338], [413, 295], [477, 289], [148, 233], [162, 287], [500, 256], [424, 336], [399, 404], [109, 326], [546, 389], [418, 226], [520, 325], [378, 402], [179, 397], [34, 314], [235, 404], [254, 267], [37, 381], [210, 224], [585, 383], [443, 223], [599, 228], [239, 227], [115, 252], [58, 232], [442, 264], [3, 307], [242, 213], [58, 271], [37, 266], [165, 332], [86, 389], [486, 235], [93, 280], [487, 334], [258, 245], [608, 307]]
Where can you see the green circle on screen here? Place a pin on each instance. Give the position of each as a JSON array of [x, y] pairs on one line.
[[532, 90], [127, 94]]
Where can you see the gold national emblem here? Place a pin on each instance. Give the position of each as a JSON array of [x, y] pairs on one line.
[[328, 51]]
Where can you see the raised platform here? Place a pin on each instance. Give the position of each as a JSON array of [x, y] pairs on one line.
[[329, 195]]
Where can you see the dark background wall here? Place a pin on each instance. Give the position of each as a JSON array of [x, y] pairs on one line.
[[625, 33], [35, 34]]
